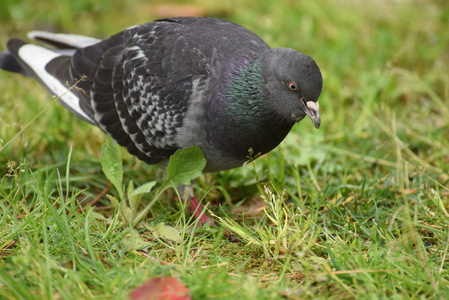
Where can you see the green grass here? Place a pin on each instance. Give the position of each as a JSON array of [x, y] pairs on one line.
[[355, 210]]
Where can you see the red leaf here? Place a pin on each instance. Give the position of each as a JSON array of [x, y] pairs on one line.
[[197, 208], [161, 288]]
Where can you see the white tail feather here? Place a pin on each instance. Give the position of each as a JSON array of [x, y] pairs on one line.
[[37, 58], [70, 40]]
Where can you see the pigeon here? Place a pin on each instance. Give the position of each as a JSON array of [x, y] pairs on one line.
[[175, 83]]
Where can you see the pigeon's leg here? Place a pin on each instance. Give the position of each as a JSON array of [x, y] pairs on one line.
[[194, 206]]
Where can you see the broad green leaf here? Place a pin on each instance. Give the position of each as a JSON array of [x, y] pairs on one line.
[[167, 232], [145, 188], [114, 201], [127, 214], [185, 165], [132, 199], [112, 167], [130, 189]]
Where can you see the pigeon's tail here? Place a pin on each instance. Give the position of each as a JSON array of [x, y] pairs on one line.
[[63, 41], [8, 63], [51, 69]]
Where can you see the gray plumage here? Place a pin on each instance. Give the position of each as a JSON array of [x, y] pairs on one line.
[[175, 83]]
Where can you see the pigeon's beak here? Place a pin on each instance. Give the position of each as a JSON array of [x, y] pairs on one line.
[[312, 110]]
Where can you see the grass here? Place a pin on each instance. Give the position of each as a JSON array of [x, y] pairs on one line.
[[355, 210]]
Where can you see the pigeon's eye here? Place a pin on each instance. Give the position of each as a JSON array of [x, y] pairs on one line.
[[292, 85]]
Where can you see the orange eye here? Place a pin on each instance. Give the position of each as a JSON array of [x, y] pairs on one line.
[[292, 86]]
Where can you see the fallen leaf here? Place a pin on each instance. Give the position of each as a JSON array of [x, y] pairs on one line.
[[197, 208], [252, 207], [167, 232], [161, 288]]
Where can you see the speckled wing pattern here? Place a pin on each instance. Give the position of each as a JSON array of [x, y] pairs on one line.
[[138, 84]]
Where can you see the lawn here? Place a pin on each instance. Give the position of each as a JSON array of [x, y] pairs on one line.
[[358, 209]]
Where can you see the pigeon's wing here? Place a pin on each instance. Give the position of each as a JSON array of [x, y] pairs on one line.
[[135, 85], [141, 86]]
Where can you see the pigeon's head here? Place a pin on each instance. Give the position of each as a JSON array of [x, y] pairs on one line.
[[293, 81]]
